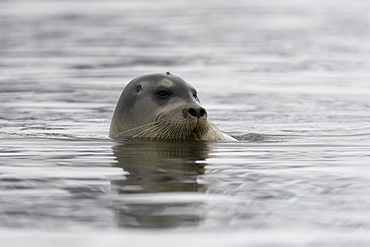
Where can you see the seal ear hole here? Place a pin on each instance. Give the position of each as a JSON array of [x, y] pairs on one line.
[[138, 88]]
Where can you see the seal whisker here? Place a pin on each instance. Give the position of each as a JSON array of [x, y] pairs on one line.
[[167, 132], [178, 130], [133, 131], [149, 132], [173, 131]]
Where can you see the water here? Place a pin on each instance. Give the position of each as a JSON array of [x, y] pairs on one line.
[[289, 79]]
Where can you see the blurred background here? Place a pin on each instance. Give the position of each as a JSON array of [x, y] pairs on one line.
[[288, 78]]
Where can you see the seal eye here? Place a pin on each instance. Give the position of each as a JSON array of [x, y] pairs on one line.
[[196, 97], [163, 94]]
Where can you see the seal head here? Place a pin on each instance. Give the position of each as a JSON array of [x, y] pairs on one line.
[[161, 106]]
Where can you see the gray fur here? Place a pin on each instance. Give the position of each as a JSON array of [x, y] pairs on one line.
[[161, 106]]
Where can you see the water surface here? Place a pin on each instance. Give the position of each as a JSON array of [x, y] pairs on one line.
[[288, 79]]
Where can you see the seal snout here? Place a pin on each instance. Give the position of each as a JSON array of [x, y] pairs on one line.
[[197, 112]]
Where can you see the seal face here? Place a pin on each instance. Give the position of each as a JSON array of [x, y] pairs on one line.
[[161, 106]]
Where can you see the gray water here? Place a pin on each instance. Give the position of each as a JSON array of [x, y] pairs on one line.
[[290, 79]]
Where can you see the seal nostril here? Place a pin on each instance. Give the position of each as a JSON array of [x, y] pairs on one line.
[[193, 112], [202, 113]]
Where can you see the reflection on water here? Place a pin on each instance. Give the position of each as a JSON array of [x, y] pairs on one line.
[[155, 167], [159, 166], [295, 73]]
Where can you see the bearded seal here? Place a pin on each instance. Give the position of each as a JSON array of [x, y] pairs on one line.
[[162, 106]]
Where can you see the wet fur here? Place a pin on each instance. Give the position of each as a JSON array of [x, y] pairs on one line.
[[174, 130], [141, 113]]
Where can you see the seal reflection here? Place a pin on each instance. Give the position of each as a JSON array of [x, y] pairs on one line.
[[158, 168]]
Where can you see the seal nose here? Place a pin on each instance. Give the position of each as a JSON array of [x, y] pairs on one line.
[[195, 111]]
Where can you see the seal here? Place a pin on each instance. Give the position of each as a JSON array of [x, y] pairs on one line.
[[162, 106]]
